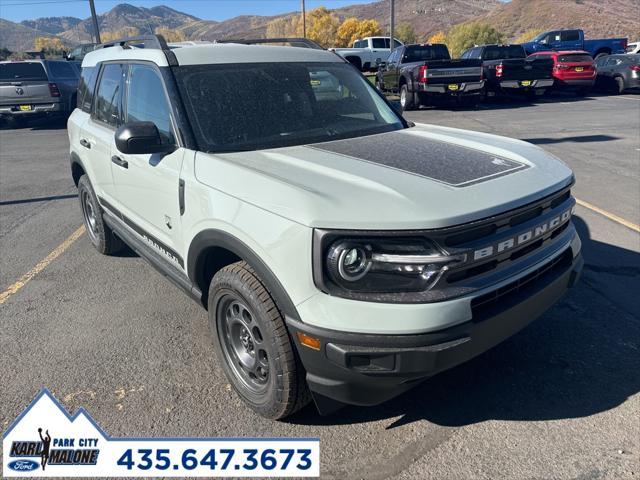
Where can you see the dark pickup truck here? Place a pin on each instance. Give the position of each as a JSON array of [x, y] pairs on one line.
[[420, 73], [506, 68]]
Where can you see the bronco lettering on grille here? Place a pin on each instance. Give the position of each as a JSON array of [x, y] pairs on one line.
[[523, 237]]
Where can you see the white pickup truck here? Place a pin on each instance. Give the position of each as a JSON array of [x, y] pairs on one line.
[[368, 52]]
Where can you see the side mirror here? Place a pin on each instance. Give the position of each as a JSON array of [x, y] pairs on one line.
[[141, 138]]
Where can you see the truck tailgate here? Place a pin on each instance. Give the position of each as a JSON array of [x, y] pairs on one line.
[[453, 71], [526, 69]]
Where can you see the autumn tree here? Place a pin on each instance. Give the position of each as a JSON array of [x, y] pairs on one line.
[[438, 37], [529, 35], [171, 35], [48, 44], [352, 29], [322, 26], [466, 35], [118, 34], [405, 33]]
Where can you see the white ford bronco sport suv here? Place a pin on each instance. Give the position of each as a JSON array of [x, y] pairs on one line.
[[343, 254]]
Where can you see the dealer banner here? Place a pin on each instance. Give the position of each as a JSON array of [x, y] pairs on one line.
[[45, 441]]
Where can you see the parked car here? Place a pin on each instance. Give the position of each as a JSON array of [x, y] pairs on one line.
[[618, 73], [572, 70], [343, 254], [507, 69], [37, 87], [78, 53], [420, 73], [574, 40], [633, 47], [366, 54]]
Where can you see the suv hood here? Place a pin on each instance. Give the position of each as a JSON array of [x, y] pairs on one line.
[[417, 178]]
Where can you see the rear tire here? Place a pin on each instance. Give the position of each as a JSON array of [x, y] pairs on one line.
[[253, 345], [407, 99], [99, 233]]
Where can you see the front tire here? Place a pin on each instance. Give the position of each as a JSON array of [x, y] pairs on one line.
[[99, 233], [619, 86], [253, 345]]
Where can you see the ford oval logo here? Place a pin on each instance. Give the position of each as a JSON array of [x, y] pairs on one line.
[[23, 465]]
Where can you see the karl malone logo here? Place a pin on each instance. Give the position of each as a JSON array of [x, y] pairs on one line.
[[45, 437]]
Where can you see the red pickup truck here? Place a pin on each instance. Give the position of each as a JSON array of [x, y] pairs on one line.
[[572, 70]]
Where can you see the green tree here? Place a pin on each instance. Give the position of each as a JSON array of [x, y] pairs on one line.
[[405, 33], [466, 35], [529, 35]]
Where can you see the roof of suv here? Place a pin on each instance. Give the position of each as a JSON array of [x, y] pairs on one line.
[[212, 53]]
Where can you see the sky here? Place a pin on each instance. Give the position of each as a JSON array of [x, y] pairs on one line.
[[18, 10]]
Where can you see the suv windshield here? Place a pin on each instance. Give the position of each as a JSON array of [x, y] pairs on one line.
[[14, 71], [254, 106]]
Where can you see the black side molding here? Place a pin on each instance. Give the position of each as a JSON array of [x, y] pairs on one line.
[[172, 273]]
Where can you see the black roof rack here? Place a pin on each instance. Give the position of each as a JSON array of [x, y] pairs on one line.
[[145, 41], [293, 41]]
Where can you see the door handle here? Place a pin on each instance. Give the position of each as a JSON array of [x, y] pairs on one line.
[[85, 143], [120, 162]]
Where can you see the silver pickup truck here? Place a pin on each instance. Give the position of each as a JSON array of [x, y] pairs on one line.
[[33, 88]]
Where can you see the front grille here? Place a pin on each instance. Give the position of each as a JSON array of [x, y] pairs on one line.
[[506, 297], [500, 227]]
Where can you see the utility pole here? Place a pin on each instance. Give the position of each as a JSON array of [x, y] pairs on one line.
[[96, 30], [392, 22], [304, 21]]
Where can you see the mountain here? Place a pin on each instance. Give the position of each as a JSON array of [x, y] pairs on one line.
[[52, 25], [17, 37], [598, 18], [125, 15], [425, 16]]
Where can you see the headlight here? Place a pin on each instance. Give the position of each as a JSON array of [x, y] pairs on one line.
[[384, 265]]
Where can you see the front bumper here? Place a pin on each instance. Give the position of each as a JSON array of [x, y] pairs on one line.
[[465, 88], [368, 369], [517, 84]]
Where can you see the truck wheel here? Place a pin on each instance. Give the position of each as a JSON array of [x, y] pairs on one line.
[[253, 344], [355, 61], [379, 84], [407, 100], [101, 236]]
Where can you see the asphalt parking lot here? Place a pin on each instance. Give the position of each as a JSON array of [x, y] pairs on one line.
[[559, 400]]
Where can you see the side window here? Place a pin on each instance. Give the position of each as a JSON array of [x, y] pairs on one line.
[[570, 36], [62, 70], [86, 87], [147, 101], [379, 43], [107, 103]]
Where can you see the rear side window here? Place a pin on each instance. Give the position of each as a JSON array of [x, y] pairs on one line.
[[570, 36], [147, 101], [18, 71], [574, 58], [107, 103], [379, 43], [62, 70], [86, 87]]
